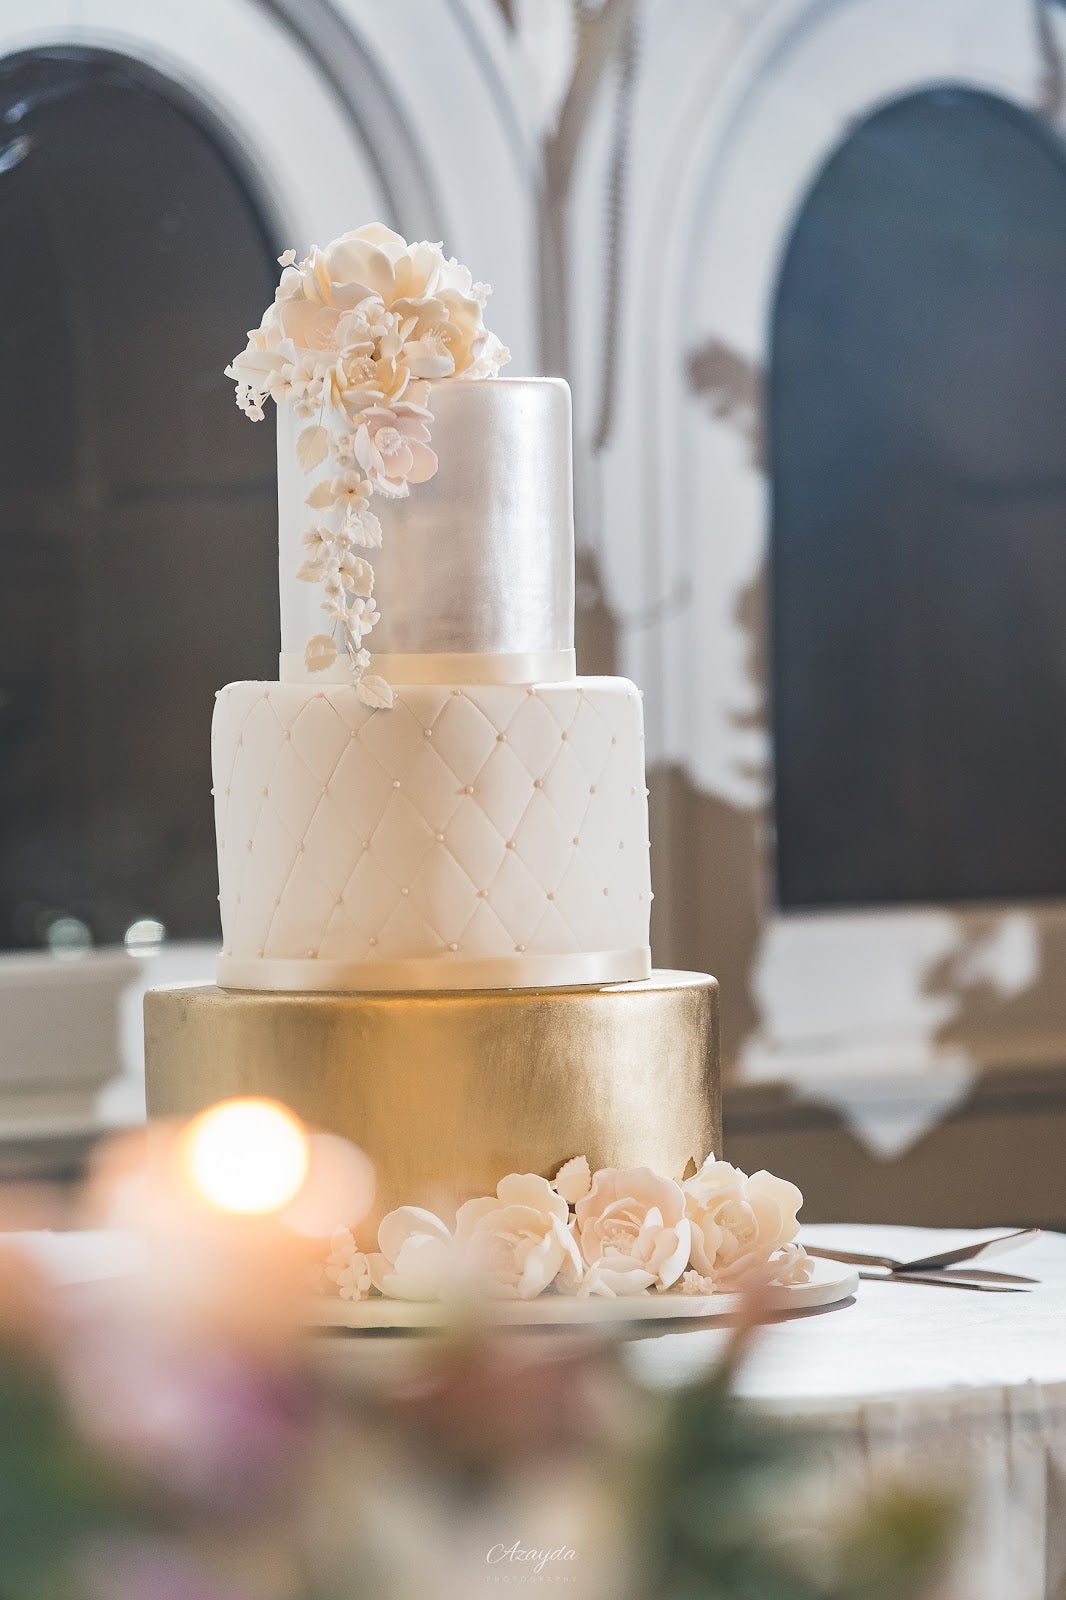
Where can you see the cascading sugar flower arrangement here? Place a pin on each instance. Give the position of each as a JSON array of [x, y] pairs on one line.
[[356, 337]]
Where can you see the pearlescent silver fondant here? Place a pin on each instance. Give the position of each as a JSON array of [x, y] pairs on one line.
[[479, 560], [501, 507]]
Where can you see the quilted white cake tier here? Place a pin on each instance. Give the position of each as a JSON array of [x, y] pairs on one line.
[[488, 836]]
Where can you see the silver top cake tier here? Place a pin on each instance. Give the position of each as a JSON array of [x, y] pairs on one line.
[[476, 562]]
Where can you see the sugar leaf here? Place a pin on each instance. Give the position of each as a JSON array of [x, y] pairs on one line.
[[321, 652], [374, 691], [312, 448], [321, 497]]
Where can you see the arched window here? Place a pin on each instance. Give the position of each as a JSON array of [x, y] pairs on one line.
[[917, 413], [137, 508]]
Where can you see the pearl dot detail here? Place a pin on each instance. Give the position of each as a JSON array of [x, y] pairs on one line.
[[453, 945], [395, 783]]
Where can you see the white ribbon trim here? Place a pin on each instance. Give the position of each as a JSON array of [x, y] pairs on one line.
[[526, 666], [445, 971]]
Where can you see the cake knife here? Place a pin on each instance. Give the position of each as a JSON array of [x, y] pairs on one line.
[[983, 1248]]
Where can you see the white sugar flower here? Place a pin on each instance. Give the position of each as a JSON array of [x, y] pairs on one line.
[[738, 1222], [615, 1280], [696, 1283], [317, 541], [350, 492], [631, 1226], [791, 1265], [491, 356], [440, 336], [302, 383], [518, 1241], [356, 575], [362, 618], [362, 528], [392, 446], [347, 1266], [342, 450], [415, 1258]]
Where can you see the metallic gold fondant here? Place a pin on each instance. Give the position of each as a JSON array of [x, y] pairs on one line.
[[448, 1091]]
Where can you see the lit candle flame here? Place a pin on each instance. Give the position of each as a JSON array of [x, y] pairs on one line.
[[245, 1156]]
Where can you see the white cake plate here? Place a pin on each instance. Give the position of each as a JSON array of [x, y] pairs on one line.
[[830, 1284]]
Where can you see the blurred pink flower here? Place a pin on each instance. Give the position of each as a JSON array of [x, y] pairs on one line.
[[214, 1426]]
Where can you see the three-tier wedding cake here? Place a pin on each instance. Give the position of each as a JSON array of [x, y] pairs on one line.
[[432, 834]]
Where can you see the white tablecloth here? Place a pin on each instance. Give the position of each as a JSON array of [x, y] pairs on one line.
[[911, 1381], [928, 1383]]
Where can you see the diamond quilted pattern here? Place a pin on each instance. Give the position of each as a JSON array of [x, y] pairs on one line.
[[293, 790], [544, 843], [480, 821], [440, 893], [477, 845], [361, 789], [468, 734], [319, 735], [504, 789]]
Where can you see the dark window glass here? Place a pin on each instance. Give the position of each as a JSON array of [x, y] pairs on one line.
[[918, 456], [137, 511]]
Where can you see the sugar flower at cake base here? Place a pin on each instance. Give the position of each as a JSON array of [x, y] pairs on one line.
[[519, 1241], [415, 1255], [356, 336], [633, 1232], [738, 1222], [612, 1233]]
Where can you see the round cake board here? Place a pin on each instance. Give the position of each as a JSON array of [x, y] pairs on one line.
[[831, 1283]]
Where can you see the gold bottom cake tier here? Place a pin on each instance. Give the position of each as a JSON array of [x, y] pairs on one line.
[[447, 1091]]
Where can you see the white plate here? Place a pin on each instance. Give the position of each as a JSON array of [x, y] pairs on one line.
[[830, 1283]]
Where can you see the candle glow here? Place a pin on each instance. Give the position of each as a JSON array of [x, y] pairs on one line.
[[247, 1156]]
